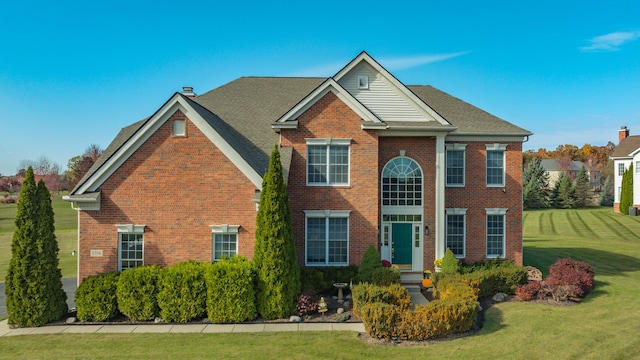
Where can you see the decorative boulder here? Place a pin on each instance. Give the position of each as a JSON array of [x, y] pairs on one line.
[[500, 297], [295, 319]]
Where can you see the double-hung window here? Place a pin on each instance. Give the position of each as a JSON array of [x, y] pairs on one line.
[[130, 246], [225, 241], [621, 169], [455, 231], [327, 237], [495, 164], [455, 159], [328, 161], [496, 233]]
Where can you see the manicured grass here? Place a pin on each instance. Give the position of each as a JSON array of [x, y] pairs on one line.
[[604, 326], [66, 232]]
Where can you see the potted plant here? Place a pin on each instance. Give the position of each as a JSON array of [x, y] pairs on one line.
[[426, 279], [437, 263]]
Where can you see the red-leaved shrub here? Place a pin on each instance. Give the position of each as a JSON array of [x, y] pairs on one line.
[[572, 273], [307, 302], [529, 291]]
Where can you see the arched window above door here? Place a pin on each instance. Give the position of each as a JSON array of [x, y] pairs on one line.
[[402, 183]]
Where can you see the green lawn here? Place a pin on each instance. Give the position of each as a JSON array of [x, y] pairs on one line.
[[604, 326], [66, 232]]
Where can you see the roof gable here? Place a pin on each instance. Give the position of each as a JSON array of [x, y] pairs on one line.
[[627, 147]]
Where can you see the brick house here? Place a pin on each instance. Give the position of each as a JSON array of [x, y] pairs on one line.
[[626, 153], [367, 159]]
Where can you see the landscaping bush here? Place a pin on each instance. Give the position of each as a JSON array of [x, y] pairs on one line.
[[138, 293], [505, 279], [321, 279], [385, 276], [370, 262], [231, 296], [182, 292], [457, 286], [450, 264], [529, 291], [307, 302], [439, 317], [380, 319], [568, 272], [366, 293], [96, 298]]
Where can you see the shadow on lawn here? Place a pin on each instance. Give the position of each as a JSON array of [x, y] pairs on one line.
[[603, 262]]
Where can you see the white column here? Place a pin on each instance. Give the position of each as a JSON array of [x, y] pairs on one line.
[[440, 187]]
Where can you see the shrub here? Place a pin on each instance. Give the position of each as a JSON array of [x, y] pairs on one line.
[[370, 262], [438, 318], [96, 298], [342, 317], [231, 296], [385, 276], [366, 293], [456, 286], [307, 302], [138, 293], [380, 319], [572, 273], [312, 279], [182, 292], [450, 264], [529, 291], [491, 281]]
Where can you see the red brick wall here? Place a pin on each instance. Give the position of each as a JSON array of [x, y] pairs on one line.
[[177, 187], [330, 117], [476, 196]]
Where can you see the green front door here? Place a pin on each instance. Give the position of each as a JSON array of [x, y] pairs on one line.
[[401, 237]]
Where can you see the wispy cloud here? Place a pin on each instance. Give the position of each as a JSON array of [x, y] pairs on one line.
[[390, 63], [611, 42], [401, 63]]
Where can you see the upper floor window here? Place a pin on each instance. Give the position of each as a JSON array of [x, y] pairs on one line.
[[179, 128], [225, 241], [328, 161], [402, 183], [495, 164], [455, 159], [130, 246], [621, 169]]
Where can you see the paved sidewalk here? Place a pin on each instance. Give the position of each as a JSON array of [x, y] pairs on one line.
[[178, 328]]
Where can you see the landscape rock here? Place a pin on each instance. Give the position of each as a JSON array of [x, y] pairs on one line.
[[500, 297], [295, 319], [340, 311], [70, 320], [157, 320]]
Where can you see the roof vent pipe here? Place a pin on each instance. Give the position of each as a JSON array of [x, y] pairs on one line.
[[188, 91]]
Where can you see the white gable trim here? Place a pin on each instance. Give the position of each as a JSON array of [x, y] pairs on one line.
[[329, 85], [408, 94], [132, 144]]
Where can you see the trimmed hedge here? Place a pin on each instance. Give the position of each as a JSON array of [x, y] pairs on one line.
[[96, 298], [385, 276], [380, 319], [321, 279], [182, 292], [395, 294], [138, 293], [231, 295], [439, 318], [491, 281]]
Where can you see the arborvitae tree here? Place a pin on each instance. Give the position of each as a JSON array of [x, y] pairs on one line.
[[535, 181], [582, 189], [278, 275], [33, 285], [563, 192], [370, 262], [450, 264], [606, 195], [626, 193]]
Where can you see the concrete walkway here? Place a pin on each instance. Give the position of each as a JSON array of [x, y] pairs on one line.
[[178, 328]]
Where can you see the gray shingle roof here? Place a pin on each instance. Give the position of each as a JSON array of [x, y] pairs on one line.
[[626, 146], [554, 165]]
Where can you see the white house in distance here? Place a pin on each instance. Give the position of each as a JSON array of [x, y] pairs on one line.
[[554, 168], [626, 153]]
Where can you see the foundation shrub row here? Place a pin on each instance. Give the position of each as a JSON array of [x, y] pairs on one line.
[[224, 292]]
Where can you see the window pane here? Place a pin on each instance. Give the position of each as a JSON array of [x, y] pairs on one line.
[[316, 250], [405, 178], [131, 250], [224, 245], [317, 164], [455, 167], [455, 234], [495, 235], [495, 167], [338, 235]]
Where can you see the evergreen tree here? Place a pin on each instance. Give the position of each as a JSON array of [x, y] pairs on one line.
[[626, 193], [370, 262], [582, 189], [563, 192], [535, 181], [33, 285], [606, 195], [278, 275]]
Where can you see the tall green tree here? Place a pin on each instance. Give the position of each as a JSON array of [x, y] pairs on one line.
[[33, 285], [562, 196], [582, 192], [606, 195], [626, 193], [277, 272], [535, 182]]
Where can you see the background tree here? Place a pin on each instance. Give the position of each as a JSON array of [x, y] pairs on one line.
[[606, 195], [46, 170], [562, 196], [277, 272], [582, 189], [626, 193], [79, 165], [33, 285], [535, 181]]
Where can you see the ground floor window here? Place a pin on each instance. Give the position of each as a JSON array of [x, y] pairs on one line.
[[327, 238], [225, 241], [496, 232], [455, 232], [130, 246]]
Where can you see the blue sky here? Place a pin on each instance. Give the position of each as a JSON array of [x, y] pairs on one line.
[[72, 73]]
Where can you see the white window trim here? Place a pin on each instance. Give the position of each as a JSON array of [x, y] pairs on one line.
[[328, 142], [497, 211], [637, 167], [221, 230], [326, 214], [463, 212], [363, 82], [128, 229], [497, 147], [184, 128], [458, 147], [621, 169]]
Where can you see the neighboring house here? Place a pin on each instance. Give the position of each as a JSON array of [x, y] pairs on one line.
[[555, 167], [367, 159], [626, 153]]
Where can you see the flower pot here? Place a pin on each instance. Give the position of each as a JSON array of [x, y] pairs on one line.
[[427, 283]]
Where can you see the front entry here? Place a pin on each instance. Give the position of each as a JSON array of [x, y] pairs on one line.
[[401, 252]]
